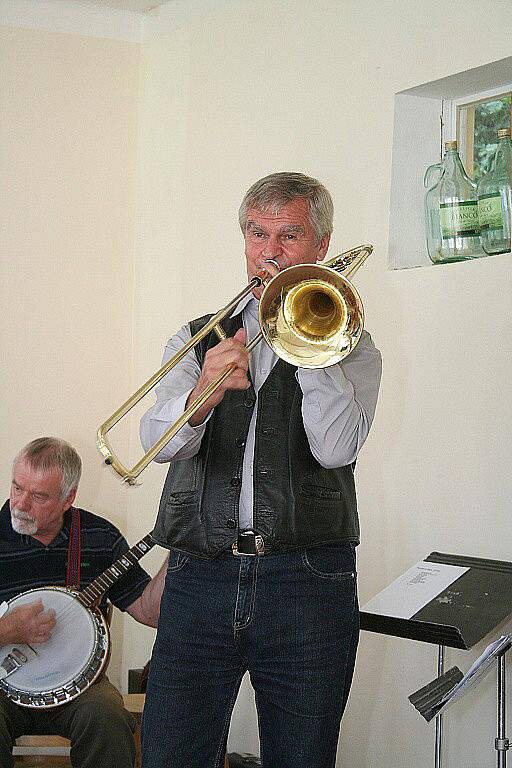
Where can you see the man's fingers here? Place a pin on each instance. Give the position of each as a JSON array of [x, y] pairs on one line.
[[237, 380], [47, 620], [228, 352], [42, 637], [44, 626], [240, 336], [35, 607]]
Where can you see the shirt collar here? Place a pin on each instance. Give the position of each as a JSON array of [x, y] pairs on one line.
[[248, 302]]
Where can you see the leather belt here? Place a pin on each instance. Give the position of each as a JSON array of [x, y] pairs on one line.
[[248, 543]]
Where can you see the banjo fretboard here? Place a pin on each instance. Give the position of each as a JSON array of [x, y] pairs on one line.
[[92, 594]]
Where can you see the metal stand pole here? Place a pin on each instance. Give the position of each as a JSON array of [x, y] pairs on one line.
[[439, 719], [501, 743]]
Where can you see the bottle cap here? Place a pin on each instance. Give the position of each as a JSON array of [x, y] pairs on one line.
[[504, 133], [450, 145]]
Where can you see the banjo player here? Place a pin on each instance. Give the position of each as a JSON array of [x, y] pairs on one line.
[[39, 531]]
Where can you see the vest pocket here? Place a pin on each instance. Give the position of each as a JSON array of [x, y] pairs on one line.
[[310, 491], [182, 498]]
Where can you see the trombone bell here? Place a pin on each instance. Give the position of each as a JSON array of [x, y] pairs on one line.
[[311, 316]]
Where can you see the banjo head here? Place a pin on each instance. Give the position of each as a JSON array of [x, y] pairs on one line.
[[53, 673]]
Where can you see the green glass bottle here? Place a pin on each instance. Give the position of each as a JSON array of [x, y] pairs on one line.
[[495, 198], [451, 211]]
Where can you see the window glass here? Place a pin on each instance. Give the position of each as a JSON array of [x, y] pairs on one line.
[[477, 131]]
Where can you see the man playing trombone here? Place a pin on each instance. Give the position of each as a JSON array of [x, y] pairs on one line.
[[259, 511]]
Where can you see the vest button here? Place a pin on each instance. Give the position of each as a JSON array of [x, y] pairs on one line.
[[235, 482], [231, 523], [240, 442]]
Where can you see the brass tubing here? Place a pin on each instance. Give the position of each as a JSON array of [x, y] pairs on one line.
[[129, 476], [185, 416], [346, 264]]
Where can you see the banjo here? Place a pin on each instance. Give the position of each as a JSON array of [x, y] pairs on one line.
[[51, 674]]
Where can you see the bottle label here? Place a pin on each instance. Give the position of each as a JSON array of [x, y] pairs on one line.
[[490, 212], [459, 219]]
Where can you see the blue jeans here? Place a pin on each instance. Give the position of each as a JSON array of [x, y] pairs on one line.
[[291, 619]]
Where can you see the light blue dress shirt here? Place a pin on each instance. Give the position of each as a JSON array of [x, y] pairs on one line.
[[338, 404]]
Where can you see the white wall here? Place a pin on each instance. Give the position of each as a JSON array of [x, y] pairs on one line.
[[234, 90], [119, 222], [68, 149]]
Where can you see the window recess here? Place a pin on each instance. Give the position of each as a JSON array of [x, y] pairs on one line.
[[467, 106]]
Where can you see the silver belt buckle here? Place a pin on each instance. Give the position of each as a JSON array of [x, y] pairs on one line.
[[249, 544]]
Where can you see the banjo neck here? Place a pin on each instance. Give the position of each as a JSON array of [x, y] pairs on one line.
[[91, 595]]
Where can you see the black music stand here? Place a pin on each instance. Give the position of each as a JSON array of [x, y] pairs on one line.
[[458, 615]]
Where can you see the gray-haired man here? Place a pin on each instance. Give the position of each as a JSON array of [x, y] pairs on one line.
[[35, 532], [259, 508]]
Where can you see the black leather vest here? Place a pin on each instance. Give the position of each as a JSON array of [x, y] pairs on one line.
[[297, 502]]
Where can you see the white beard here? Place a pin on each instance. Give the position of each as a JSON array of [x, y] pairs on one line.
[[22, 523]]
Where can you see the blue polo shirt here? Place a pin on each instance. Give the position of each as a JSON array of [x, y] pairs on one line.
[[26, 563]]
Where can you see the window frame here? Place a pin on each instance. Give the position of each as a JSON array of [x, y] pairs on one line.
[[460, 129]]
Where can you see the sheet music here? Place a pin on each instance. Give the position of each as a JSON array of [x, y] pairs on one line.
[[477, 671], [414, 589]]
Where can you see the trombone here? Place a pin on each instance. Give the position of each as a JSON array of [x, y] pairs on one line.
[[309, 314]]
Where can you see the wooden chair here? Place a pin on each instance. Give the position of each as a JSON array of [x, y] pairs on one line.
[[41, 750]]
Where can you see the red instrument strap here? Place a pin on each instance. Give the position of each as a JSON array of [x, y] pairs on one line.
[[73, 569]]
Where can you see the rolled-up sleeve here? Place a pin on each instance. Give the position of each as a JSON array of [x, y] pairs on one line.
[[339, 404], [171, 399]]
